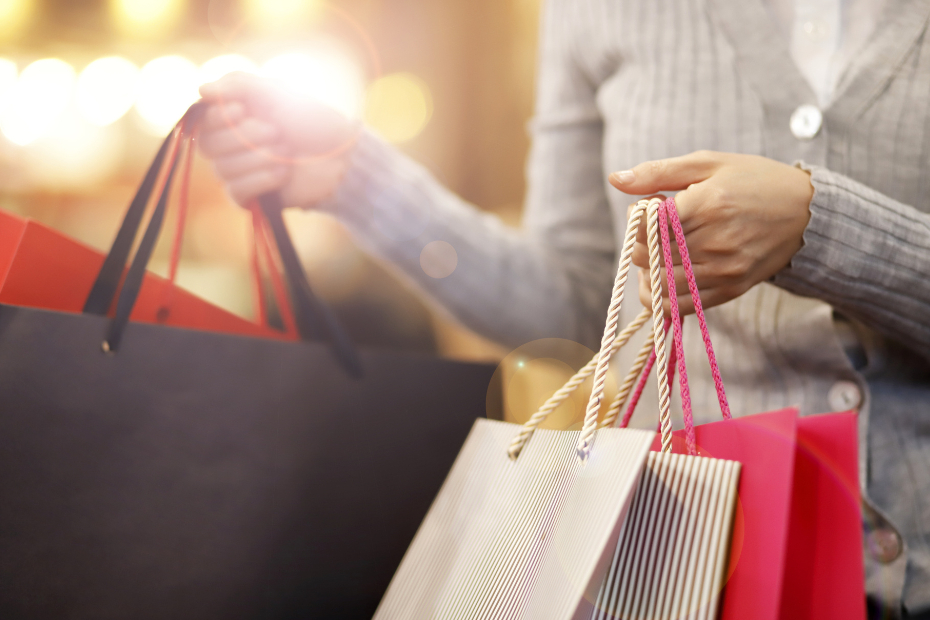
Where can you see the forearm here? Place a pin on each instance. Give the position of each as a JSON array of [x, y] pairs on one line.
[[511, 286], [868, 256]]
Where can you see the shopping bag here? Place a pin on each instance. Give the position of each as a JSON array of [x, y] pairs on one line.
[[525, 522], [672, 554], [42, 268], [191, 474], [796, 543]]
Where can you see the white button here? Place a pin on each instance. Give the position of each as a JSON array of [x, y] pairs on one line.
[[806, 122], [844, 396], [816, 30]]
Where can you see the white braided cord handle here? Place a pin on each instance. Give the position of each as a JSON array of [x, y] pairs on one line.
[[589, 429], [656, 268], [631, 378], [530, 426]]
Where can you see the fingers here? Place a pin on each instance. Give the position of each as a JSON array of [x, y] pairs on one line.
[[665, 175], [252, 185], [248, 134], [245, 88], [245, 162]]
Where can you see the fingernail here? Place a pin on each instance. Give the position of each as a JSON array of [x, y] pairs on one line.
[[624, 176]]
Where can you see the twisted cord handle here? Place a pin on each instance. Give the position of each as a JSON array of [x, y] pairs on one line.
[[589, 429], [658, 320], [631, 378], [530, 426]]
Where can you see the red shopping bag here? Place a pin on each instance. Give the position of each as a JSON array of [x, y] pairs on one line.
[[796, 548], [42, 268], [796, 551]]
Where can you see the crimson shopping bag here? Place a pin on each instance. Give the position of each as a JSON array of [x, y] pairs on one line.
[[796, 545]]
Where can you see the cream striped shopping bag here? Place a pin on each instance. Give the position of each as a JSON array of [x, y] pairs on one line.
[[671, 558], [526, 523]]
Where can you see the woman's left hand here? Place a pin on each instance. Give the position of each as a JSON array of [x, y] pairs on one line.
[[743, 216]]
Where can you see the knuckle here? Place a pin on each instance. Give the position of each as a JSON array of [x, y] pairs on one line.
[[656, 167]]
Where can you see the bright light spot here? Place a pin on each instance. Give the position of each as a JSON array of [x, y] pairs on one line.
[[146, 18], [13, 14], [215, 68], [276, 14], [168, 86], [326, 76], [40, 95], [438, 259], [398, 106], [107, 89]]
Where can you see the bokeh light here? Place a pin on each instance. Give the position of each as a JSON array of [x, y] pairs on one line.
[[326, 76], [106, 89], [146, 18], [13, 15], [398, 106], [281, 14], [438, 259], [40, 95], [215, 68], [167, 87]]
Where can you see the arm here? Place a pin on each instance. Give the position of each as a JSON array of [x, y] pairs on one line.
[[868, 256], [551, 279]]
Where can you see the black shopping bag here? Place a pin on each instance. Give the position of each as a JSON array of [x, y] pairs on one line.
[[193, 475]]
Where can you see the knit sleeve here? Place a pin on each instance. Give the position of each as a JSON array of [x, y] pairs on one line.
[[552, 277], [868, 256]]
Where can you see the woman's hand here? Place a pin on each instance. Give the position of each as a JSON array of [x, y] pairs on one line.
[[743, 216], [262, 138]]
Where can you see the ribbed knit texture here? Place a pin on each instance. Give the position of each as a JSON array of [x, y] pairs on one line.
[[625, 81]]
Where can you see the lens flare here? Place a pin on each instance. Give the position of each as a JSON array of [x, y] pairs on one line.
[[41, 94], [168, 86], [398, 106], [328, 77], [106, 90], [215, 68]]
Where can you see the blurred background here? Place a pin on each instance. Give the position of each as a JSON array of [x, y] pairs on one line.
[[89, 88]]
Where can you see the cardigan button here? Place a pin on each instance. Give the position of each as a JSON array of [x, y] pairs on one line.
[[806, 121], [844, 396], [885, 545]]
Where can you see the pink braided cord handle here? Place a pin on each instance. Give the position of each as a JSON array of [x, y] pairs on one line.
[[671, 211], [676, 330]]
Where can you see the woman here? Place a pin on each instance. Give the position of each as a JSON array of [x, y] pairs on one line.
[[816, 271]]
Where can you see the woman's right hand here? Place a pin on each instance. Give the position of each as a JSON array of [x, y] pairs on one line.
[[262, 138]]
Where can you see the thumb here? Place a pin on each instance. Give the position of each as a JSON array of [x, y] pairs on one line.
[[666, 175]]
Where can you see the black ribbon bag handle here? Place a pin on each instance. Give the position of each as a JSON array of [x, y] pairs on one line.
[[315, 321]]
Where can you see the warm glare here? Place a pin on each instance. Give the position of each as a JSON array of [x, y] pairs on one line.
[[168, 86], [281, 14], [215, 68], [325, 76], [13, 15], [146, 18]]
